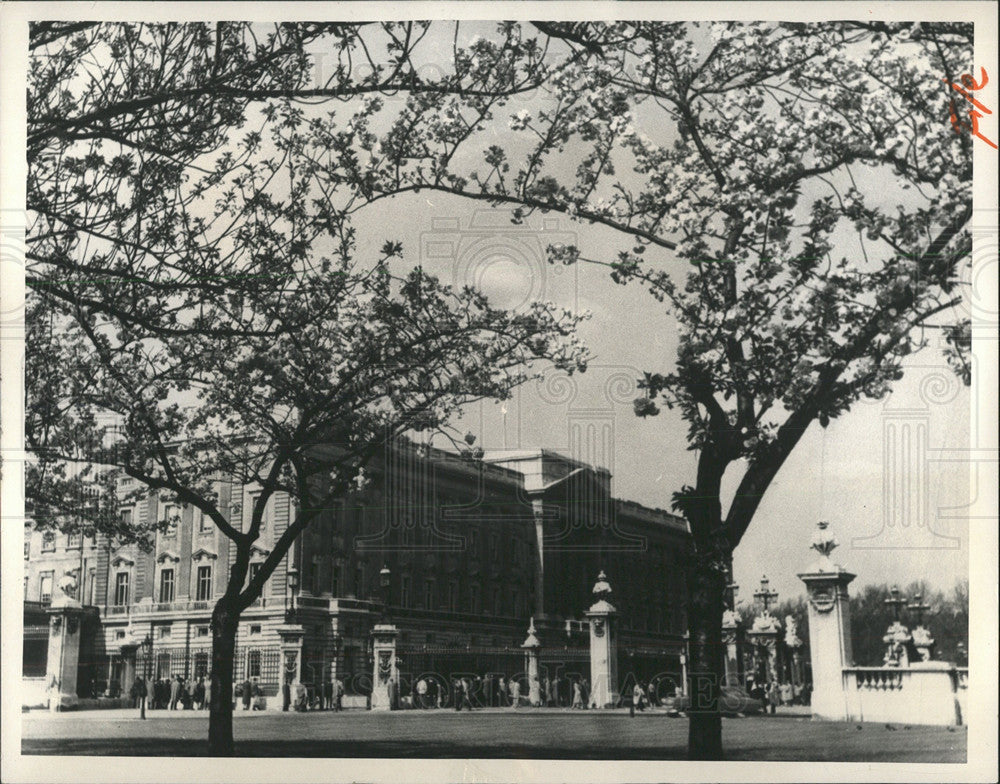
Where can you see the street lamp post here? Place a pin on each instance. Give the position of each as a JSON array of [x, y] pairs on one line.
[[147, 653], [293, 589], [385, 579]]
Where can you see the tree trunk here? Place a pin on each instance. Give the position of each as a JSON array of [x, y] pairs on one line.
[[706, 592], [225, 620]]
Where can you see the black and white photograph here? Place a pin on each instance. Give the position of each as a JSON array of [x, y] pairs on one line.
[[419, 392]]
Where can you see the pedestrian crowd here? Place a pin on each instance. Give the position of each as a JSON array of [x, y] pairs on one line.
[[773, 695], [176, 693]]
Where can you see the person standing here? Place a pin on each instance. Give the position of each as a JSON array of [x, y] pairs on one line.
[[208, 691], [247, 693], [467, 689], [142, 691], [422, 694], [786, 693], [199, 694], [637, 696], [773, 696], [189, 688], [577, 696], [175, 691], [328, 695], [338, 694], [501, 692], [515, 693], [301, 696]]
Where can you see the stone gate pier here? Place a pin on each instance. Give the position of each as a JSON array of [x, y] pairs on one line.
[[909, 688]]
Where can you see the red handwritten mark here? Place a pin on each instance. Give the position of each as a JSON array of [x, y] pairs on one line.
[[969, 85]]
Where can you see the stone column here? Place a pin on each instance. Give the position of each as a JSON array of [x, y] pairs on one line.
[[129, 653], [829, 628], [531, 646], [538, 513], [65, 621], [385, 675], [732, 638], [603, 647], [291, 635]]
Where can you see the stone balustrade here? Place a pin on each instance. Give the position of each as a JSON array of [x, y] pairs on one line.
[[924, 693]]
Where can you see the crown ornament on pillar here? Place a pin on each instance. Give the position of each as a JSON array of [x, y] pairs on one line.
[[602, 594], [824, 543], [602, 589]]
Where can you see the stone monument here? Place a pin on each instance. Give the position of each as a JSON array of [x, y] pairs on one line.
[[897, 638], [922, 640]]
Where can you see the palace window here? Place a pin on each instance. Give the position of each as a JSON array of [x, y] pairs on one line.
[[202, 631], [170, 514], [163, 632], [126, 515], [254, 568], [474, 598], [162, 665], [121, 589], [253, 663], [203, 588], [453, 596], [336, 578], [429, 594], [48, 541], [91, 585], [312, 575], [359, 581], [494, 548], [404, 591], [45, 587], [166, 585], [265, 518], [74, 541], [204, 521]]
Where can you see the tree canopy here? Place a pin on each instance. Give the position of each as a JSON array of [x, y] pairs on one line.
[[791, 193]]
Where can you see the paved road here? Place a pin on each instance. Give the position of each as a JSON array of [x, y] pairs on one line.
[[502, 734]]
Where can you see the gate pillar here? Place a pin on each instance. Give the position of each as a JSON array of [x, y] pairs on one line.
[[603, 647]]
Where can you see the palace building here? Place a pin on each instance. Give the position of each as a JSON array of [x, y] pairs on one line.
[[461, 553]]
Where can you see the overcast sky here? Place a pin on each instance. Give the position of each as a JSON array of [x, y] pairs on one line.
[[843, 474]]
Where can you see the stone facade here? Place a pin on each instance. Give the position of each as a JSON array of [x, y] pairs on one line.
[[475, 548]]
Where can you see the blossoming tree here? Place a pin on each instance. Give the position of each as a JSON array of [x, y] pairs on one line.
[[793, 194]]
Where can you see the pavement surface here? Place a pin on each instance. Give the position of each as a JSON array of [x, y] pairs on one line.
[[485, 733]]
